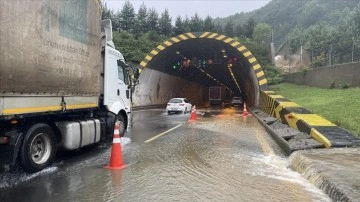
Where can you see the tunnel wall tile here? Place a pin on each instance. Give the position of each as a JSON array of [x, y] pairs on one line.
[[297, 117]]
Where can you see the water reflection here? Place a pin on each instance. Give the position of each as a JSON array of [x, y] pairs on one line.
[[215, 159]]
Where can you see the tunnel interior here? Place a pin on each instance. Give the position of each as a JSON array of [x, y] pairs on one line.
[[192, 63]]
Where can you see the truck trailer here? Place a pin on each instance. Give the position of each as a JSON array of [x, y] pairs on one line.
[[219, 95], [216, 94], [63, 85]]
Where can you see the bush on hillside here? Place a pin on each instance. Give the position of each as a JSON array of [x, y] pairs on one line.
[[273, 75]]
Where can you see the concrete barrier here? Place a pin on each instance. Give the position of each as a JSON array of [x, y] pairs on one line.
[[335, 76], [297, 117]]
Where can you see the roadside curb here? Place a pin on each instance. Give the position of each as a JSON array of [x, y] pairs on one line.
[[297, 117], [281, 142], [137, 108], [288, 138], [321, 175], [313, 171]]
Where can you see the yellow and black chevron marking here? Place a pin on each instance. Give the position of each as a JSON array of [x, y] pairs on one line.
[[303, 120], [210, 35]]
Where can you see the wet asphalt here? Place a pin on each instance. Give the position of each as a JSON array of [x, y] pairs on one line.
[[222, 156]]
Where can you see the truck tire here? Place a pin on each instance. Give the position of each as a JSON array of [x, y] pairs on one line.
[[122, 125], [38, 149]]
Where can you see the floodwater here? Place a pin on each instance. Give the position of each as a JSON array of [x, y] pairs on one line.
[[225, 157]]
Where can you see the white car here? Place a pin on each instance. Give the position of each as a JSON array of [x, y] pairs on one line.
[[236, 101], [178, 105]]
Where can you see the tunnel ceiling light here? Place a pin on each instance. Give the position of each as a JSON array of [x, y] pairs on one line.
[[208, 75], [233, 77]]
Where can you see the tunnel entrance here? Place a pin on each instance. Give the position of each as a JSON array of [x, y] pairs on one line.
[[188, 64]]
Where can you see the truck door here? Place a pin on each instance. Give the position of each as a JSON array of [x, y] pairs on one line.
[[124, 83]]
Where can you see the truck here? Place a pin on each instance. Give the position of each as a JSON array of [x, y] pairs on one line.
[[219, 95], [63, 85], [216, 95]]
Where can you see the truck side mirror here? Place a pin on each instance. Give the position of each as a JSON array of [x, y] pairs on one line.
[[136, 73], [121, 63]]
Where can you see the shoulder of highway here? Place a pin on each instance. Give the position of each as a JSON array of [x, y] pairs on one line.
[[334, 170]]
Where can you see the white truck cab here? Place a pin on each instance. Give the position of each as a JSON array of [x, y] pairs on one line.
[[116, 79]]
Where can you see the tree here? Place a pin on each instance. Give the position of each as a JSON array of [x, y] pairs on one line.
[[356, 24], [319, 40], [229, 29], [127, 17], [296, 39], [135, 49], [153, 20], [260, 52], [342, 38], [187, 25], [196, 23], [249, 28], [165, 23], [141, 17], [238, 31], [219, 29], [209, 25], [179, 26], [116, 21], [106, 13], [262, 33]]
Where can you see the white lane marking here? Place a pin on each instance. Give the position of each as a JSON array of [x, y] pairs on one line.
[[163, 133]]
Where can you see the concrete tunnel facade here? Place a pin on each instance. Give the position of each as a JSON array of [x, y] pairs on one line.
[[188, 64]]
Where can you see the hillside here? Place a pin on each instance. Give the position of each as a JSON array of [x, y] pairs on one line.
[[285, 15]]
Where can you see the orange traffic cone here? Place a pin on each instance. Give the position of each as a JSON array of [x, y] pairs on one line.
[[116, 160], [245, 112], [193, 114]]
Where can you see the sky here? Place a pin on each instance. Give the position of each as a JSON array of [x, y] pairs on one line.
[[213, 8]]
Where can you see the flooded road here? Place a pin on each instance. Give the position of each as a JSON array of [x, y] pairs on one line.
[[224, 157]]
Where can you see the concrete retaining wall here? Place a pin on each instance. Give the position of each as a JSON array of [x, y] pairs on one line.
[[156, 88], [328, 77]]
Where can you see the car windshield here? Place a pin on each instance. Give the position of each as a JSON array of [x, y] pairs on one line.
[[175, 101]]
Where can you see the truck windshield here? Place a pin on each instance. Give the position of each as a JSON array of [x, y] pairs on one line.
[[123, 73]]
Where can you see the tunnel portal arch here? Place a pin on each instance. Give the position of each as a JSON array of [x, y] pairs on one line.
[[256, 73]]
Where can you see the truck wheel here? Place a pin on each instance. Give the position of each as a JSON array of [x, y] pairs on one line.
[[121, 121], [38, 149]]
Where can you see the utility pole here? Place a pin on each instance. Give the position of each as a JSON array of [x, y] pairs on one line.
[[352, 52], [301, 54], [330, 54], [272, 48]]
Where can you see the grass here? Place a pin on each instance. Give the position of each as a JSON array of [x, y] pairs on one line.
[[340, 106]]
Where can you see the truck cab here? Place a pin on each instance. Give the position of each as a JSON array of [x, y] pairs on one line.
[[116, 90]]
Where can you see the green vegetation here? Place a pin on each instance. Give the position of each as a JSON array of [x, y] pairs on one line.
[[340, 106], [329, 30], [273, 75], [137, 33]]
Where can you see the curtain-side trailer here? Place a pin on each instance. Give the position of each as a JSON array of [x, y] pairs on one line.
[[63, 85]]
